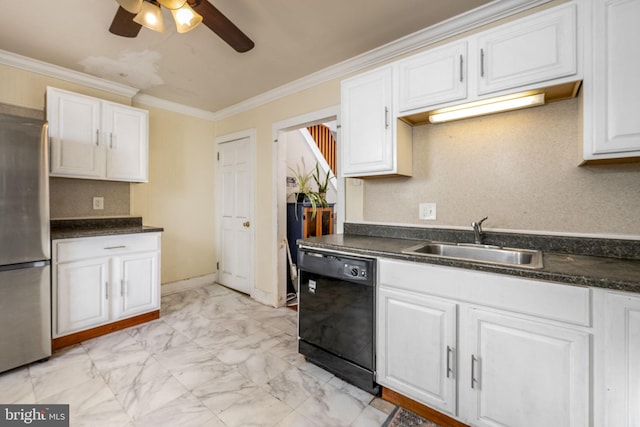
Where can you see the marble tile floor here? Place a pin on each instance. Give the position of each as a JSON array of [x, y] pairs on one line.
[[214, 358]]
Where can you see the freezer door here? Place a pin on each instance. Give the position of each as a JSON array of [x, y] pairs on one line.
[[25, 315], [24, 190]]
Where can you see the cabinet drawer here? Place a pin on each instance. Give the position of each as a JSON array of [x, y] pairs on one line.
[[90, 247]]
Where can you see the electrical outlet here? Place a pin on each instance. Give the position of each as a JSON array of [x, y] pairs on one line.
[[427, 211], [98, 203]]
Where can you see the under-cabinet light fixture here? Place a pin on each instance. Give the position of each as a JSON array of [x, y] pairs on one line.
[[481, 108]]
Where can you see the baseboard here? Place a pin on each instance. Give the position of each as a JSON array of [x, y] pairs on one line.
[[420, 409], [183, 285], [67, 340]]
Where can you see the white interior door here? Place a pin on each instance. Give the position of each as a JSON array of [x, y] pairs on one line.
[[235, 207]]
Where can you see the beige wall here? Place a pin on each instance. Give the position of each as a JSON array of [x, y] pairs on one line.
[[519, 168], [180, 193], [261, 119]]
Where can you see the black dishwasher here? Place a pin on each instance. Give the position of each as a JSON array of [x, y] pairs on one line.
[[336, 314]]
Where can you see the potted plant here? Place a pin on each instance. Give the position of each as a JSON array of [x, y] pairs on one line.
[[323, 184], [305, 193]]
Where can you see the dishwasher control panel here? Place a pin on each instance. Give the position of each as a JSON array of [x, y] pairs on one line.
[[354, 270]]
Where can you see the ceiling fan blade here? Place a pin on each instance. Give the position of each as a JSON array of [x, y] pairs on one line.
[[123, 24], [220, 24]]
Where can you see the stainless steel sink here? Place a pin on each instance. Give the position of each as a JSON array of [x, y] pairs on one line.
[[523, 258]]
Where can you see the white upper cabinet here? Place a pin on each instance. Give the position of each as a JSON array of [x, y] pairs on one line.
[[612, 82], [74, 130], [533, 49], [95, 139], [433, 77], [126, 131], [370, 143]]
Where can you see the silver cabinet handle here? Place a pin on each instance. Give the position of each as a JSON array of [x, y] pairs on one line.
[[115, 247], [481, 62], [386, 118], [449, 354], [473, 371], [106, 290], [110, 139], [461, 64], [97, 137], [122, 285]]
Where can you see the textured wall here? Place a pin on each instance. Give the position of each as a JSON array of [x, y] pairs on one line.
[[519, 168], [73, 198]]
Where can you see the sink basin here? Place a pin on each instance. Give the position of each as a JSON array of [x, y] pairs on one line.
[[523, 258]]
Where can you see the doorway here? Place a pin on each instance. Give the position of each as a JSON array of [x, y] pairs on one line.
[[285, 133]]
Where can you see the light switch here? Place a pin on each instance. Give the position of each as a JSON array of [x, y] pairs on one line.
[[427, 211]]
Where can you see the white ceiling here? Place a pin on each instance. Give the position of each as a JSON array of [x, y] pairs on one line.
[[293, 38]]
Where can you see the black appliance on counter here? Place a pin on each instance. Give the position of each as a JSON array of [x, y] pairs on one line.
[[336, 314]]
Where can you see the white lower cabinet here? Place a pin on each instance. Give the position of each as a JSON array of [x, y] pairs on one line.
[[99, 280], [416, 347], [509, 361], [519, 372], [622, 359]]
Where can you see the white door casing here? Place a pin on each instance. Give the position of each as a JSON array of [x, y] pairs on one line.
[[235, 207]]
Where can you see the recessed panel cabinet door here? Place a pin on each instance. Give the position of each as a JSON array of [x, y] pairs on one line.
[[524, 373], [367, 124], [74, 133], [622, 366], [416, 347], [139, 284], [82, 295], [126, 140], [433, 77], [612, 96], [530, 50]]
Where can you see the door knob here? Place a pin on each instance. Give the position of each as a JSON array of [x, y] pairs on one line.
[[246, 224]]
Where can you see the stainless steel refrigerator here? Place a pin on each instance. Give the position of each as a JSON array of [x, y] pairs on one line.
[[25, 278]]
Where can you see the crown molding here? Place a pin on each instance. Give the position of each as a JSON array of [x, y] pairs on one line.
[[152, 101], [456, 25], [29, 64]]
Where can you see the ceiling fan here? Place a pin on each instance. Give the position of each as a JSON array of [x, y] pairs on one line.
[[134, 14]]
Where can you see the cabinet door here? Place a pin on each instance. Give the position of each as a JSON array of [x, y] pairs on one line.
[[523, 373], [612, 96], [138, 286], [527, 51], [416, 347], [82, 295], [367, 125], [126, 135], [74, 130], [622, 364], [434, 77]]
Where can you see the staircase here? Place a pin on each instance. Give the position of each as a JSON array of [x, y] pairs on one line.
[[326, 143]]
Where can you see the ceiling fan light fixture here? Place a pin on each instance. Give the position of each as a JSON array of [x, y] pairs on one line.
[[173, 4], [186, 18], [150, 16], [131, 6]]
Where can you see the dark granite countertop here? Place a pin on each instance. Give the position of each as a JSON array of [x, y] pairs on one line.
[[569, 268], [92, 227]]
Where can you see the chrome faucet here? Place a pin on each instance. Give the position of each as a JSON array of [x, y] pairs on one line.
[[477, 230]]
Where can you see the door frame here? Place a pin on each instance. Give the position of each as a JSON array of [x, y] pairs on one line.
[[279, 183], [224, 139]]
